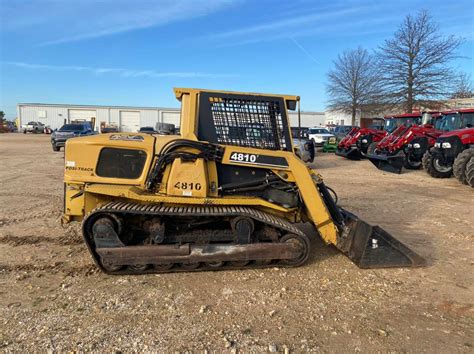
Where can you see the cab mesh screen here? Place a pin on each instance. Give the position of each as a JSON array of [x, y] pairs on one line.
[[249, 122], [120, 163]]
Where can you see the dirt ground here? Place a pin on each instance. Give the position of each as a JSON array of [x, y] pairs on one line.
[[53, 298]]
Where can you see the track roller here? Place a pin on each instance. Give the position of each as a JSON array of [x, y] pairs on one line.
[[303, 244]]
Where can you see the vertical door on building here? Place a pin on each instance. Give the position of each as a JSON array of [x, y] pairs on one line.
[[83, 115], [129, 121], [171, 118]]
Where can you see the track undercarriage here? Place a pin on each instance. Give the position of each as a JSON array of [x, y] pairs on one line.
[[132, 238]]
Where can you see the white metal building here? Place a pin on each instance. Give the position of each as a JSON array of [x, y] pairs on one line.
[[308, 119], [338, 118], [127, 119]]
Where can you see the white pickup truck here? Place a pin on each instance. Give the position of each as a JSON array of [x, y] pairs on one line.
[[32, 127]]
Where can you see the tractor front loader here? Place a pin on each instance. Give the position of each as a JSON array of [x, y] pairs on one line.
[[347, 146], [225, 194], [361, 141], [406, 145]]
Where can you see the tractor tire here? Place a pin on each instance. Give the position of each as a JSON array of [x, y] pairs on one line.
[[434, 168], [409, 164], [460, 164], [470, 172], [371, 148]]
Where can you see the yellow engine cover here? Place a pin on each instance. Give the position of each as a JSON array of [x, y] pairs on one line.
[[188, 179]]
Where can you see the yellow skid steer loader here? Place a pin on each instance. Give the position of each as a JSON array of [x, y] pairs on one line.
[[226, 193]]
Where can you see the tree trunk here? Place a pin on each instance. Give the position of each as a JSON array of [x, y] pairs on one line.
[[354, 112], [409, 107]]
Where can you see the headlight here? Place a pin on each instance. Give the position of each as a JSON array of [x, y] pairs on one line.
[[437, 145], [416, 145], [364, 141], [446, 145]]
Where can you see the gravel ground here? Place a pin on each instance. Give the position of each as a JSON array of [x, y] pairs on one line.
[[53, 298]]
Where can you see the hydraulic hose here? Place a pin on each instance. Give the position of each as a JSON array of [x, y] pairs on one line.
[[333, 209], [335, 197]]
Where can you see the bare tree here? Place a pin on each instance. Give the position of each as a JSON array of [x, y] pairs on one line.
[[463, 88], [353, 82], [415, 61]]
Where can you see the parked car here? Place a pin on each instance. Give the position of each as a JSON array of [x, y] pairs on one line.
[[166, 129], [33, 127], [319, 135], [148, 130], [340, 131], [6, 126], [304, 147], [67, 131], [109, 129]]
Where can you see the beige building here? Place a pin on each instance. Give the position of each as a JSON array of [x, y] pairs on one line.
[[461, 102]]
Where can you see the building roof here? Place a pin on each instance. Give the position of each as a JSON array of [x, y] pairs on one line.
[[66, 105], [460, 110], [405, 115]]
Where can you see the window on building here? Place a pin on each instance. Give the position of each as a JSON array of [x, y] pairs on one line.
[[121, 163]]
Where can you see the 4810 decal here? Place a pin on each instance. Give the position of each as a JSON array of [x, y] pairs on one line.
[[241, 157], [188, 185], [258, 159]]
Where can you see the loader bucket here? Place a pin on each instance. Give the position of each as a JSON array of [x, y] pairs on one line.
[[372, 247], [393, 164], [351, 154]]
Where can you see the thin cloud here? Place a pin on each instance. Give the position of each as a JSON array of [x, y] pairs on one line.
[[127, 73], [303, 49], [289, 23], [60, 21], [331, 29]]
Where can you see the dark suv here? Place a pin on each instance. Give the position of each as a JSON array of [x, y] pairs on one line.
[[59, 137], [340, 131]]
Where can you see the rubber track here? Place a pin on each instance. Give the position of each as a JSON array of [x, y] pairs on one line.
[[162, 210]]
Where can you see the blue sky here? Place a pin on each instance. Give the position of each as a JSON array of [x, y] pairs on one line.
[[117, 52]]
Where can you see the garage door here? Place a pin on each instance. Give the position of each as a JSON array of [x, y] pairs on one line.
[[81, 114], [172, 118], [129, 121]]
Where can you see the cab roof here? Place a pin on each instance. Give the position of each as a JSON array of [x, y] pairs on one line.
[[179, 92]]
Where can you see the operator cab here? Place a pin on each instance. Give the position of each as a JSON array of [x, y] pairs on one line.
[[453, 120], [408, 119]]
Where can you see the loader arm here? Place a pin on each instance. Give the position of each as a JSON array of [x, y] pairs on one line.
[[292, 169]]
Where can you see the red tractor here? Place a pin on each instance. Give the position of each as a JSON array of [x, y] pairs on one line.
[[406, 145], [356, 143], [453, 152]]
